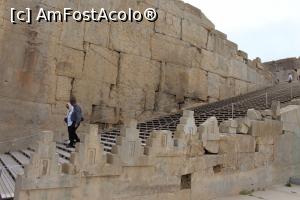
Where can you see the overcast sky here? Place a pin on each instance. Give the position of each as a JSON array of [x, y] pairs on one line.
[[269, 29]]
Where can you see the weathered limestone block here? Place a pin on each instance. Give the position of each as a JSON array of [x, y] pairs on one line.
[[105, 114], [175, 7], [210, 134], [197, 84], [194, 33], [159, 142], [245, 161], [69, 62], [172, 50], [63, 88], [266, 128], [225, 47], [229, 126], [128, 149], [212, 62], [244, 125], [136, 71], [168, 24], [223, 88], [241, 87], [290, 116], [254, 115], [232, 143], [131, 101], [182, 82], [132, 38], [238, 70], [101, 64], [97, 33], [245, 143], [195, 15], [251, 75], [213, 36], [165, 102], [242, 54], [175, 79], [73, 35], [213, 85]]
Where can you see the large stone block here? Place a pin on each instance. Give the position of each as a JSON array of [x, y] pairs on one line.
[[97, 33], [168, 24], [69, 62], [196, 15], [172, 50], [290, 116], [175, 79], [63, 88], [72, 35], [165, 102], [210, 135], [194, 33], [184, 82], [238, 70], [197, 84], [212, 62], [132, 38], [104, 114], [213, 85], [136, 71], [101, 64], [131, 101]]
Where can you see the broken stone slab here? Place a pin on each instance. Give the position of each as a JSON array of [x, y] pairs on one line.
[[229, 126], [187, 125], [253, 114], [275, 107], [244, 125], [210, 135]]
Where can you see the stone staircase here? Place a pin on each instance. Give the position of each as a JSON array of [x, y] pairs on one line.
[[223, 110], [12, 163]]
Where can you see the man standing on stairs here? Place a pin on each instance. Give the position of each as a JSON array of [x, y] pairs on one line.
[[74, 118]]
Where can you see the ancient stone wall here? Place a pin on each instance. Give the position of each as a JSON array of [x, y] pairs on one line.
[[282, 68], [116, 70], [197, 164]]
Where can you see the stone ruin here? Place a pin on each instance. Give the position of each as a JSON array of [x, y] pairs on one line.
[[116, 70], [198, 163]]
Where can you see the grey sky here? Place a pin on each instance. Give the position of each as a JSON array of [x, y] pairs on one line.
[[269, 29]]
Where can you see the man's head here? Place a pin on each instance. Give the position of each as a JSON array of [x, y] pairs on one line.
[[72, 100]]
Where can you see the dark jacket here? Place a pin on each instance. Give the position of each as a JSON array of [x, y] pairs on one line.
[[77, 114]]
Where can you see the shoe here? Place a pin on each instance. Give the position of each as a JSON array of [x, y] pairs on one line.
[[78, 140]]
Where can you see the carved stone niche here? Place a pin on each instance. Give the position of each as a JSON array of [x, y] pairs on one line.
[[89, 159], [128, 150], [159, 143], [43, 171]]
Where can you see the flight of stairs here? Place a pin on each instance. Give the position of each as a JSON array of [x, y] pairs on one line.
[[12, 163]]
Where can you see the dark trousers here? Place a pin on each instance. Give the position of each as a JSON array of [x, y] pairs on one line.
[[73, 137]]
